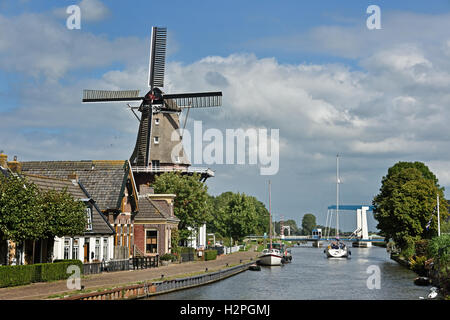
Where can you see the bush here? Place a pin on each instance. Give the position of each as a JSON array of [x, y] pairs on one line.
[[187, 250], [409, 250], [17, 275], [418, 265], [167, 257], [421, 247], [439, 249], [58, 270], [21, 275], [210, 255]]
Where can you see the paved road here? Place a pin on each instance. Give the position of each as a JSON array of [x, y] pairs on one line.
[[108, 280]]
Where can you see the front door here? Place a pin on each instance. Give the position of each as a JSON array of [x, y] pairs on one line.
[[86, 250]]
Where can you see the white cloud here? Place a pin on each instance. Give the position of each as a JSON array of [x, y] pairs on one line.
[[91, 11]]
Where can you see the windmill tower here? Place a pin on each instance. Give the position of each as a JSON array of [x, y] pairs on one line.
[[159, 116]]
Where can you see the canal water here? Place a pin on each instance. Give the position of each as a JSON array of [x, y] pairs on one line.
[[311, 275]]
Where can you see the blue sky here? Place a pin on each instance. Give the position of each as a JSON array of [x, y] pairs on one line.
[[310, 69]]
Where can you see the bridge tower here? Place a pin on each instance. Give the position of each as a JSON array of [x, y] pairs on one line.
[[362, 230]]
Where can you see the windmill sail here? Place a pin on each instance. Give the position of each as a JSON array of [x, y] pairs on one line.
[[141, 153], [110, 95], [193, 100], [157, 57]]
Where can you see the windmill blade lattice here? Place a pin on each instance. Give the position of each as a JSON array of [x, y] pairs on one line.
[[110, 95], [193, 100], [157, 57]]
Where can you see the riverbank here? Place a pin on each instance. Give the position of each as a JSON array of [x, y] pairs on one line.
[[122, 279]]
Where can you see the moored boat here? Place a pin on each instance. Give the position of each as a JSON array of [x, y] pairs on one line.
[[337, 249], [271, 257]]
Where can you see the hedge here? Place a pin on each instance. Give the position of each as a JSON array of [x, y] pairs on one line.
[[187, 250], [210, 255], [41, 272]]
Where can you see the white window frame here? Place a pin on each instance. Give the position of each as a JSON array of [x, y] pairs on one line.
[[156, 140], [157, 121]]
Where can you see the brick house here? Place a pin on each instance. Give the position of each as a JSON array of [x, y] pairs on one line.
[[154, 224]]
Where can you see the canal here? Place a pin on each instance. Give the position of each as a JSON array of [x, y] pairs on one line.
[[311, 275]]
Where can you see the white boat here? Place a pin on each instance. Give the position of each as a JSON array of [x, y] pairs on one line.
[[270, 256], [337, 249]]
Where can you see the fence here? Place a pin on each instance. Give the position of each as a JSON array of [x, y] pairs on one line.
[[225, 250], [187, 256], [121, 265], [144, 262], [121, 253]]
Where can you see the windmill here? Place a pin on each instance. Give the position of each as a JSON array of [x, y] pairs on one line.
[[155, 102]]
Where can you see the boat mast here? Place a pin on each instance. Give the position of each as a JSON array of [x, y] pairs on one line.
[[270, 220], [337, 195], [438, 218]]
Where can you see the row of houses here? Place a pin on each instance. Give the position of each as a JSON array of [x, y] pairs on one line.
[[125, 219]]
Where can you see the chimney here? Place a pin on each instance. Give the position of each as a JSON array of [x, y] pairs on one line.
[[3, 160], [15, 166], [73, 176], [146, 189]]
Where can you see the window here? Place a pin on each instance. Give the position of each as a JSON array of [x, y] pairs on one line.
[[75, 248], [156, 121], [155, 164], [89, 219], [119, 236], [105, 249], [156, 140], [151, 241], [97, 249], [66, 248], [177, 159]]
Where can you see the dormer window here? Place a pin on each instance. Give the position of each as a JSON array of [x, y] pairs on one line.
[[156, 140]]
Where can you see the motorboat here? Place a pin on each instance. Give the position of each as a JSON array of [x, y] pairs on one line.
[[271, 257]]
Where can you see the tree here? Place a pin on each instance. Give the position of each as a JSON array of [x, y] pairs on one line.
[[407, 202], [26, 213], [238, 215], [291, 223], [21, 210], [308, 223], [191, 204], [64, 215]]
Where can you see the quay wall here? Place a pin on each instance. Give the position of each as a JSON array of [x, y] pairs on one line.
[[148, 289]]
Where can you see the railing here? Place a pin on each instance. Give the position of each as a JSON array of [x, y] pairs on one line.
[[173, 169], [225, 250], [121, 265], [94, 267], [144, 262], [118, 265]]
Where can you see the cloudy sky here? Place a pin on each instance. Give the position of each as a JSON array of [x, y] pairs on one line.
[[314, 71]]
